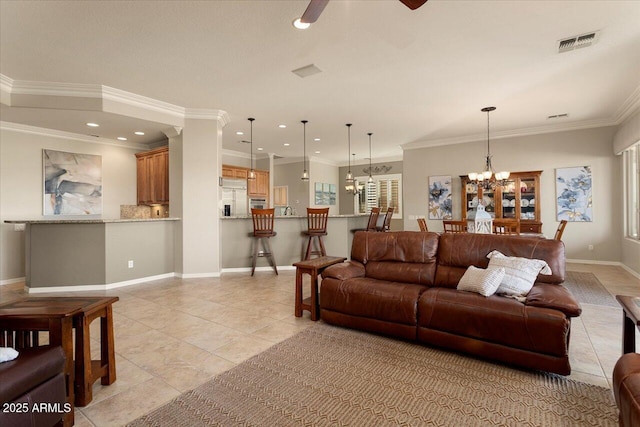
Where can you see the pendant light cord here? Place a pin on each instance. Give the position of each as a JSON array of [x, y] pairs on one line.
[[370, 154]]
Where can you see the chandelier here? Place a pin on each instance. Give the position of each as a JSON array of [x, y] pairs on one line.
[[488, 178]]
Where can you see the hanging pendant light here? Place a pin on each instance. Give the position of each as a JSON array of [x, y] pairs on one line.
[[370, 180], [349, 178], [305, 174], [488, 178], [252, 172]]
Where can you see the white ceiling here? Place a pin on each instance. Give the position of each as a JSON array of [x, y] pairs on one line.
[[413, 78]]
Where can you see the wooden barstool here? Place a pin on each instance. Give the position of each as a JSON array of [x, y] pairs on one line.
[[263, 229], [316, 227]]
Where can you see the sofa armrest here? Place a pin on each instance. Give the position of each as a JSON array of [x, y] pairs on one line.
[[344, 271], [554, 296]]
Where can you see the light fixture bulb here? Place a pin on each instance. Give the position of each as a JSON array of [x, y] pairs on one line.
[[300, 25], [349, 177], [487, 174], [370, 180], [473, 176], [305, 175], [252, 174]]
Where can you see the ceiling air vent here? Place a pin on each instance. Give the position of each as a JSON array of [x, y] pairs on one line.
[[306, 71], [577, 42], [558, 116]]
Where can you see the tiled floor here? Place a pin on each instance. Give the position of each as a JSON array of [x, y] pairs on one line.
[[173, 334]]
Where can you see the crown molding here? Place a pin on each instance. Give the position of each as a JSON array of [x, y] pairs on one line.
[[17, 127], [139, 101], [233, 153], [22, 87], [206, 114], [6, 83], [629, 107]]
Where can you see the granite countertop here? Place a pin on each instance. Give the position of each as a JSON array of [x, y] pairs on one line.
[[86, 221], [278, 217]]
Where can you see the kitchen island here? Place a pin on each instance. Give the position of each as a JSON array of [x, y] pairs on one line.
[[290, 243], [96, 254]]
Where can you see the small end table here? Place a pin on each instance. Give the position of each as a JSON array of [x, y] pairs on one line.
[[312, 267], [630, 320]]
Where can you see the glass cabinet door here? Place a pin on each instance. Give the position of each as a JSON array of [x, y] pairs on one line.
[[489, 202], [527, 198], [509, 200], [471, 198]]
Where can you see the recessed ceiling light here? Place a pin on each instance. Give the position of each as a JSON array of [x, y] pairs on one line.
[[316, 139], [260, 148], [239, 133], [139, 133], [122, 138], [93, 125], [282, 126], [317, 152], [286, 144], [300, 25]]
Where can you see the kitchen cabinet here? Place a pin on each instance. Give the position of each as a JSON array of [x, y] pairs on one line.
[[259, 187], [234, 172], [519, 199], [153, 177]]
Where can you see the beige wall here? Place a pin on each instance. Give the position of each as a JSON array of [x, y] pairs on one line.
[[326, 174], [289, 174], [544, 152], [21, 185]]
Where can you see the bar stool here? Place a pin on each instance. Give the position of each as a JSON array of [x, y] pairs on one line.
[[316, 227], [386, 224], [263, 229]]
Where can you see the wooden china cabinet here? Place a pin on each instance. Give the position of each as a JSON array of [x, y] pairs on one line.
[[519, 200]]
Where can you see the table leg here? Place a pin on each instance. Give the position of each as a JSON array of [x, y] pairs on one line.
[[84, 376], [628, 334], [314, 295], [107, 348], [61, 333], [298, 309]]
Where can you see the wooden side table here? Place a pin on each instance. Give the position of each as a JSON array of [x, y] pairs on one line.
[[312, 267], [630, 321]]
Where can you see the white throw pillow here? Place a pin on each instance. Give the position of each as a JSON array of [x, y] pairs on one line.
[[520, 273], [7, 354], [481, 281]]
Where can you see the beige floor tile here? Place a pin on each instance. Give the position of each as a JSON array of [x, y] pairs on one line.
[[242, 349], [131, 403]]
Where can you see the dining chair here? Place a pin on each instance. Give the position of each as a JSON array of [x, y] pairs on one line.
[[422, 223], [386, 225], [507, 227], [262, 232], [373, 219], [454, 226], [560, 230], [316, 227]]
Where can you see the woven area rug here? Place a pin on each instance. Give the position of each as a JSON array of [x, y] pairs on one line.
[[329, 376], [586, 288]]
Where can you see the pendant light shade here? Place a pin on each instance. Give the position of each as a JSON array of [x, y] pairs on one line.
[[349, 178], [252, 173], [305, 173], [370, 180]]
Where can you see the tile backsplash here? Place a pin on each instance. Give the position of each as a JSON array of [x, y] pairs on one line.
[[143, 211]]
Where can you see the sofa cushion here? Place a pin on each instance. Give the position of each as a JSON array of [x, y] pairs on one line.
[[520, 273], [405, 256], [457, 251], [481, 281], [370, 298], [494, 319], [626, 389]]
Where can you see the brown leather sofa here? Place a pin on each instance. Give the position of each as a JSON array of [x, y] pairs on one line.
[[403, 284], [626, 389], [35, 377]]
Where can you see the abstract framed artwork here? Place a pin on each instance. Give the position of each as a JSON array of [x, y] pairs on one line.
[[325, 194], [440, 202], [574, 201], [72, 183]]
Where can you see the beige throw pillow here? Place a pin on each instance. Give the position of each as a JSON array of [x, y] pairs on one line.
[[520, 273], [481, 281]]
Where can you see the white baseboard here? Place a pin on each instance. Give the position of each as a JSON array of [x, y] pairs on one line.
[[630, 270], [196, 275], [593, 261], [12, 281], [248, 269], [105, 287]]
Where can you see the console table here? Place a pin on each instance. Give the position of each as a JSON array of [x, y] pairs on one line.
[[312, 267]]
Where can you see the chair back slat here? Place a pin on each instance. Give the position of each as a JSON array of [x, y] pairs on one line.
[[373, 219], [560, 230], [262, 221], [317, 220], [387, 220], [505, 226], [422, 223], [454, 226]]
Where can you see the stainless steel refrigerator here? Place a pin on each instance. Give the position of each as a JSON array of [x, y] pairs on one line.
[[234, 197]]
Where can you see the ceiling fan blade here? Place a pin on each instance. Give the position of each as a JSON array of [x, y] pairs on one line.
[[413, 4], [313, 11]]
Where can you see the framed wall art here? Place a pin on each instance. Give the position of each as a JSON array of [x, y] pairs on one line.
[[72, 183], [574, 194], [440, 202]]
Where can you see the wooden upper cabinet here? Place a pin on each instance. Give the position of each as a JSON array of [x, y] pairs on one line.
[[259, 187], [519, 199], [236, 172], [153, 177]]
